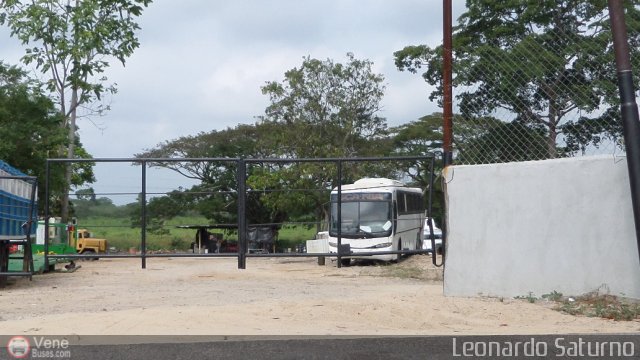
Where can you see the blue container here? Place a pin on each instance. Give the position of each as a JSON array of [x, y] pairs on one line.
[[16, 190]]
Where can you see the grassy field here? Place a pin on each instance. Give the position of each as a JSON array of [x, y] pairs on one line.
[[122, 236]]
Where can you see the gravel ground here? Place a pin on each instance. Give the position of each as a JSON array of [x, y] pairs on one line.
[[272, 296]]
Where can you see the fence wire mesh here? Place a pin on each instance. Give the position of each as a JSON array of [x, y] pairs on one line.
[[538, 90]]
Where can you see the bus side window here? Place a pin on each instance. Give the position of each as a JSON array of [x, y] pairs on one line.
[[402, 203], [395, 215]]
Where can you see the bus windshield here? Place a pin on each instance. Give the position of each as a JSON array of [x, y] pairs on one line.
[[362, 219]]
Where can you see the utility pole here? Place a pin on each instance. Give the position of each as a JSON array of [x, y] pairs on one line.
[[447, 84], [628, 106]]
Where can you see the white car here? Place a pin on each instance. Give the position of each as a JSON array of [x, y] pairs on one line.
[[426, 236]]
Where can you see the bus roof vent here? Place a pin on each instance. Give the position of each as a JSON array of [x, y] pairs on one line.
[[378, 182]]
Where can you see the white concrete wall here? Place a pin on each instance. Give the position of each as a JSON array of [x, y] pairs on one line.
[[563, 225]]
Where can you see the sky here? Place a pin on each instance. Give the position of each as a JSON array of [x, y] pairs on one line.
[[201, 63]]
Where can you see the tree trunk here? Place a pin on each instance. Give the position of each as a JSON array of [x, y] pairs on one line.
[[68, 171], [319, 219], [551, 141], [553, 132], [322, 218]]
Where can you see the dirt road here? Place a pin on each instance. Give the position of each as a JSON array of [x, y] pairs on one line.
[[179, 296]]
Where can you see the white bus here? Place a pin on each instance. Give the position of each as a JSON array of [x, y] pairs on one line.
[[377, 215]]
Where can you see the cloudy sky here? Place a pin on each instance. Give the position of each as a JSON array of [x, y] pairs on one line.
[[201, 63]]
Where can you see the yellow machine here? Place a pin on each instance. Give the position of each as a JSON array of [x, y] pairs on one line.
[[86, 243]]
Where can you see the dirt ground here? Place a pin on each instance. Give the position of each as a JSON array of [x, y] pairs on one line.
[[272, 296]]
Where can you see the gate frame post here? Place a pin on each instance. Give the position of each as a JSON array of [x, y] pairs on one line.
[[242, 221]]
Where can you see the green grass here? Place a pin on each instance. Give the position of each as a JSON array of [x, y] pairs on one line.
[[592, 304], [530, 298], [604, 306], [290, 236], [553, 296], [403, 272], [121, 235]]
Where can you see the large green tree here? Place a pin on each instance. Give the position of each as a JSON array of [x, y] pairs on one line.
[[71, 42], [159, 210], [329, 109], [424, 137], [240, 141], [335, 106], [547, 63], [215, 196], [30, 131], [418, 138], [321, 109]]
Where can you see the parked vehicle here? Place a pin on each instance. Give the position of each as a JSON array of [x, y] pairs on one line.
[[437, 236], [87, 244], [377, 215]]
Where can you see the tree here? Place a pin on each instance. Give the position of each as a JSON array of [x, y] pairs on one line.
[[30, 130], [421, 138], [335, 104], [86, 194], [328, 109], [70, 41], [523, 143], [216, 195], [542, 61], [322, 109], [159, 210], [418, 138], [241, 141], [424, 137], [101, 206]]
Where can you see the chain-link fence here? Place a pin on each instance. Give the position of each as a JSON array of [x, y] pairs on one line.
[[538, 89]]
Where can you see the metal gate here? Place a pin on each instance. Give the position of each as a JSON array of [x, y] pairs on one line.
[[336, 172]]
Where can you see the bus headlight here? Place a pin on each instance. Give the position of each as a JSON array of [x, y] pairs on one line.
[[383, 245], [332, 244]]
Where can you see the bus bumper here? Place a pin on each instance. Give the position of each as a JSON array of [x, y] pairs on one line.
[[366, 253]]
